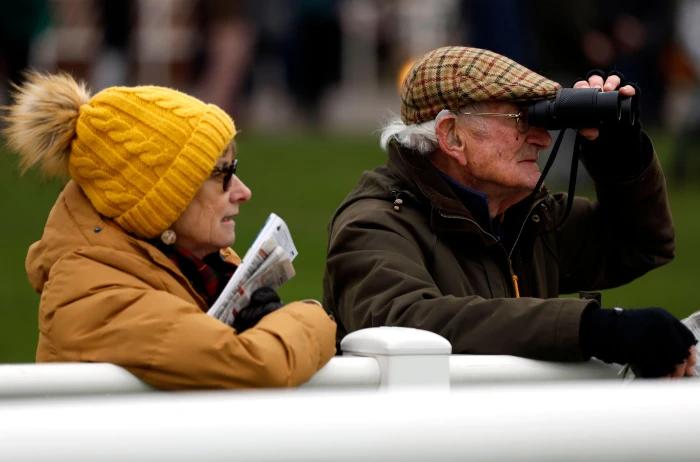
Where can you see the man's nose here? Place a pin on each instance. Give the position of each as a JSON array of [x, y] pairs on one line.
[[538, 136]]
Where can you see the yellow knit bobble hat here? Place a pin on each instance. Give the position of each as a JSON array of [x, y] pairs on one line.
[[139, 153]]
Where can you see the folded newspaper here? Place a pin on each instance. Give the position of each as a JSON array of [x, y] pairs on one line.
[[268, 262]]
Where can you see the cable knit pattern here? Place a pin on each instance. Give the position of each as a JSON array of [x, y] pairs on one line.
[[138, 153], [142, 153]]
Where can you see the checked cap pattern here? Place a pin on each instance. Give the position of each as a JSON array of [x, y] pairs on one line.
[[453, 77]]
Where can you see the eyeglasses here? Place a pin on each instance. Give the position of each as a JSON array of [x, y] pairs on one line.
[[226, 172], [520, 118]]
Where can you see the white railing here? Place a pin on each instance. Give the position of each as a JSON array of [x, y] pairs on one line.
[[417, 357], [483, 369], [61, 379], [562, 421], [377, 358], [343, 372], [396, 394]]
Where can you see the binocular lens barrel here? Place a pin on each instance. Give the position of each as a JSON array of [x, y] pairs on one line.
[[582, 108]]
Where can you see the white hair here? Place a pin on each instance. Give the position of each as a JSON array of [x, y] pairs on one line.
[[417, 137]]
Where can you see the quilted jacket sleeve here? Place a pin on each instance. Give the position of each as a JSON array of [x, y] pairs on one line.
[[626, 232], [92, 310]]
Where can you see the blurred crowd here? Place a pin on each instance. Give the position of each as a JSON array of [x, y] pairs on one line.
[[335, 63]]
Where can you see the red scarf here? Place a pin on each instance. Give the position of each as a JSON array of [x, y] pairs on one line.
[[208, 275]]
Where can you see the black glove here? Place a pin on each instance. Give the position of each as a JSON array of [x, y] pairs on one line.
[[262, 302], [620, 152], [651, 340]]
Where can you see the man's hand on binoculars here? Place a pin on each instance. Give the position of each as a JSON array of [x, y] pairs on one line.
[[611, 83]]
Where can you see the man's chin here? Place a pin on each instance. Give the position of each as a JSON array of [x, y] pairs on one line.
[[533, 179]]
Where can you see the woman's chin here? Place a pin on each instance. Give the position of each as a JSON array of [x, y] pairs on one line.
[[228, 234]]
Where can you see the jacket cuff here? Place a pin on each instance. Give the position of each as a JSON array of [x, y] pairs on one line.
[[568, 326]]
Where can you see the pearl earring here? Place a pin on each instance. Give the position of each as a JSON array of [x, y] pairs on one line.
[[168, 237]]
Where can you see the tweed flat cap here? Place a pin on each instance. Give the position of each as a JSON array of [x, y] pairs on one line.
[[452, 77]]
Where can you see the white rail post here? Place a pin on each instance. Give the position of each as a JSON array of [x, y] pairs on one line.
[[406, 357]]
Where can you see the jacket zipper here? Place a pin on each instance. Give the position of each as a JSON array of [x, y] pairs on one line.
[[513, 277]]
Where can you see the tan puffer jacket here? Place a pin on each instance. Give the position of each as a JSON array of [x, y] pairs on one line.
[[109, 297]]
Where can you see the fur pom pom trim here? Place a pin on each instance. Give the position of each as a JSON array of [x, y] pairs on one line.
[[41, 123]]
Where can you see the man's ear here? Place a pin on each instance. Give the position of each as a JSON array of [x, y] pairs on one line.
[[450, 140]]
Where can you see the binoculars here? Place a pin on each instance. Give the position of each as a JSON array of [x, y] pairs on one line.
[[584, 107]]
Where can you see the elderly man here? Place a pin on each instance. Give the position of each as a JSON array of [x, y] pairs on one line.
[[450, 237]]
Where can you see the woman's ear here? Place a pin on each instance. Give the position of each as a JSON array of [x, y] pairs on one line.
[[450, 139]]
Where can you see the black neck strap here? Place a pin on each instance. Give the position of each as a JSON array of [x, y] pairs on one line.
[[550, 160], [573, 172]]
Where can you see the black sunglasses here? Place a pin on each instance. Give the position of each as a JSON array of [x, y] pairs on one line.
[[226, 172]]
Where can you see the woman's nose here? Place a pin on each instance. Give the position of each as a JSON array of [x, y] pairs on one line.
[[239, 192]]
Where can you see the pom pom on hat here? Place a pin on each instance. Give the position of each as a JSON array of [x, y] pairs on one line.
[[41, 122], [139, 153], [453, 77]]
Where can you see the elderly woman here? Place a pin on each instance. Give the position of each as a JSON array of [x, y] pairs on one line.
[[135, 249]]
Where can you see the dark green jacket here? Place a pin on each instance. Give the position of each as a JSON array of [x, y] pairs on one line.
[[428, 264]]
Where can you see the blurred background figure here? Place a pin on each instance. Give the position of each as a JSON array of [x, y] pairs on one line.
[[297, 59], [503, 26], [223, 52], [310, 81], [633, 37], [112, 64], [331, 64], [20, 23], [682, 115], [313, 53]]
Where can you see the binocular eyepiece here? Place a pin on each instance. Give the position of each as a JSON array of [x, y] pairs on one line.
[[582, 108]]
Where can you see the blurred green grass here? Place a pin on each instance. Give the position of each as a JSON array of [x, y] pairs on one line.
[[302, 178]]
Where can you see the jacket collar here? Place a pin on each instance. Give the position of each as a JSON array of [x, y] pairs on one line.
[[416, 171], [74, 223], [448, 212]]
